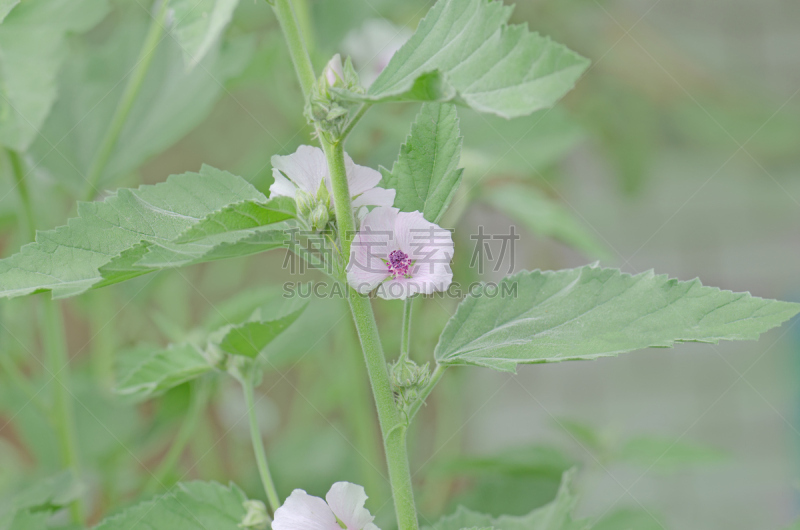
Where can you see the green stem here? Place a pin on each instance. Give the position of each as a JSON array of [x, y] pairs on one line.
[[345, 222], [15, 375], [258, 445], [297, 49], [201, 393], [103, 344], [356, 118], [425, 392], [405, 337], [392, 427], [24, 195], [55, 344], [303, 12], [63, 407], [355, 389], [126, 102]]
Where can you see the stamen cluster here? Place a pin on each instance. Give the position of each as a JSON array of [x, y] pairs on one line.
[[398, 263]]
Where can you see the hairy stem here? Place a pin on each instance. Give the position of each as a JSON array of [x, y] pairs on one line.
[[392, 428], [63, 407], [126, 102], [302, 11], [356, 390], [201, 392], [405, 336], [345, 222], [297, 49], [258, 445]]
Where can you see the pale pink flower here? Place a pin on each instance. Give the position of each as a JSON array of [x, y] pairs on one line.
[[345, 505], [307, 169], [401, 254]]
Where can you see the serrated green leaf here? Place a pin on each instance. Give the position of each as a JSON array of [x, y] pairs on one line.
[[150, 371], [44, 495], [464, 51], [221, 246], [591, 312], [109, 234], [250, 338], [188, 506], [544, 216], [155, 370], [170, 103], [241, 216], [556, 515], [32, 40], [426, 173], [199, 24]]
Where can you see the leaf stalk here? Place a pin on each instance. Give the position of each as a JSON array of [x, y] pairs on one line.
[[110, 138]]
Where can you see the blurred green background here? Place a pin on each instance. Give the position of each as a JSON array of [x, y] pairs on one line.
[[679, 151]]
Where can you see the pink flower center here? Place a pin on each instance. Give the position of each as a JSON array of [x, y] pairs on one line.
[[398, 263]]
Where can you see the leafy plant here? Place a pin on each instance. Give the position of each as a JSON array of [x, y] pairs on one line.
[[358, 226]]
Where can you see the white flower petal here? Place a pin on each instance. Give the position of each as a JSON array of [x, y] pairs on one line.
[[398, 288], [282, 186], [360, 178], [347, 502], [302, 511], [371, 245], [382, 219], [306, 167]]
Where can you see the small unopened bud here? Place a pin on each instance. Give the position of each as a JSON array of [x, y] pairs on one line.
[[334, 72], [408, 379], [351, 78], [305, 203], [323, 195], [320, 216], [215, 357], [256, 517], [406, 374]]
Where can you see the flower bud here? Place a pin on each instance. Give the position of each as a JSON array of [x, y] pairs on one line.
[[320, 216], [215, 356], [334, 72], [256, 517], [351, 79], [323, 195], [305, 203], [408, 376]]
